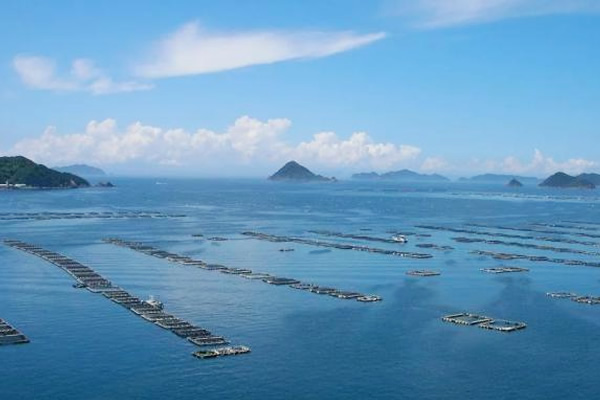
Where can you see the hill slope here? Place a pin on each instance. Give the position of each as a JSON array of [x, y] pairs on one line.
[[402, 175], [22, 171], [292, 171], [562, 180], [81, 170]]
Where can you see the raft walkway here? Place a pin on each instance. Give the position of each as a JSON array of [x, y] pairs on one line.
[[10, 335], [49, 216], [590, 300], [87, 278], [512, 256], [242, 272], [339, 246], [508, 235], [526, 246], [484, 322]]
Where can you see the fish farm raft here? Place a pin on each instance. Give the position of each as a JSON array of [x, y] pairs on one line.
[[484, 322], [242, 272], [9, 335], [87, 278]]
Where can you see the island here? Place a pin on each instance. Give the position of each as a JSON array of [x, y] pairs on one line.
[[81, 170], [500, 179], [292, 171], [592, 178], [514, 183], [404, 175], [562, 180], [21, 173]]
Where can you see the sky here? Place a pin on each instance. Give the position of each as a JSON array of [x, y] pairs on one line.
[[236, 88]]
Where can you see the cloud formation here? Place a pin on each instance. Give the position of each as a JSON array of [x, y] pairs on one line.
[[246, 141], [41, 73], [540, 165], [191, 50], [444, 13]]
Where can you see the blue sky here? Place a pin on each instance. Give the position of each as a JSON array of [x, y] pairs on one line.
[[236, 88]]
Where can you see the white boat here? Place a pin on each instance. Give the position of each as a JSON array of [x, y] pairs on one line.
[[154, 302], [400, 239]]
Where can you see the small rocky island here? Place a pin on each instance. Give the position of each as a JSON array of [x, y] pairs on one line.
[[514, 183], [562, 180], [292, 171], [21, 173]]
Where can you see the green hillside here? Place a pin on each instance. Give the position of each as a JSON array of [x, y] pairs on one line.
[[20, 170]]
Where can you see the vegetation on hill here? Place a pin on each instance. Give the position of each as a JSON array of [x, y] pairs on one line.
[[514, 183], [562, 180], [402, 175], [292, 171], [22, 171]]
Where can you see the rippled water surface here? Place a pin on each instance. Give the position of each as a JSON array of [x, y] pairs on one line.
[[304, 346]]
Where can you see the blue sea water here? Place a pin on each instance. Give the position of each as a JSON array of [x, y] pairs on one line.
[[304, 346]]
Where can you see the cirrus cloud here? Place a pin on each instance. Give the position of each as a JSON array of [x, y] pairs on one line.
[[444, 13], [191, 50]]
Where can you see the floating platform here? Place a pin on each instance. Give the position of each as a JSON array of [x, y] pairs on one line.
[[466, 319], [10, 335], [242, 272], [485, 322], [49, 216], [423, 272], [369, 299], [339, 246], [208, 340], [591, 300], [561, 295], [274, 280], [222, 351], [503, 270], [88, 278], [503, 325]]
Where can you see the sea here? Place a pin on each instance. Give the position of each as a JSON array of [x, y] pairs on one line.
[[304, 345]]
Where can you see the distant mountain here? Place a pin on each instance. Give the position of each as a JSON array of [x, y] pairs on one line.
[[500, 179], [82, 170], [292, 171], [514, 183], [562, 180], [402, 175], [22, 171], [592, 178]]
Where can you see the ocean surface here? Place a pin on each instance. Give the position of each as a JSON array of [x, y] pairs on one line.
[[304, 346]]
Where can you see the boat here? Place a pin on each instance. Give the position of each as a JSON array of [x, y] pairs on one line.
[[400, 239], [154, 302]]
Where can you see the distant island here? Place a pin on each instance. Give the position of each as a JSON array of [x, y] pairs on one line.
[[292, 171], [500, 179], [562, 180], [514, 183], [402, 175], [21, 173], [81, 170]]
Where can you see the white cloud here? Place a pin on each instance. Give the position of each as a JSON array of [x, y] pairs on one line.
[[443, 13], [41, 73], [541, 163], [359, 149], [247, 141], [434, 164], [192, 50]]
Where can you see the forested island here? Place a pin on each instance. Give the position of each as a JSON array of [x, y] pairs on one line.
[[21, 173]]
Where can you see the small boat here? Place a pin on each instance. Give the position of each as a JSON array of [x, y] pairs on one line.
[[154, 302], [400, 239]]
